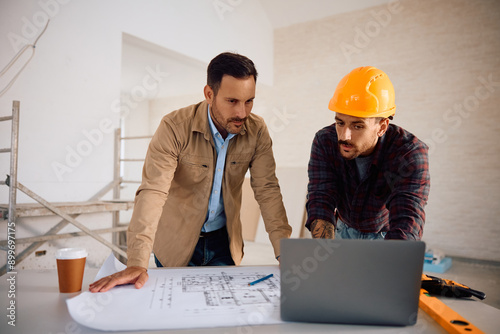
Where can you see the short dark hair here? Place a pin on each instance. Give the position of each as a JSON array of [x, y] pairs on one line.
[[232, 64]]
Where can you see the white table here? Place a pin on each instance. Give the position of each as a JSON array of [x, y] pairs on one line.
[[40, 308]]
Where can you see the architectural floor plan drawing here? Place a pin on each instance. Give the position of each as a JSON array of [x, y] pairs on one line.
[[183, 298], [222, 289], [227, 289]]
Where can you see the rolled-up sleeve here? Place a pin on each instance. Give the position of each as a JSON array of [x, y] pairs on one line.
[[322, 186]]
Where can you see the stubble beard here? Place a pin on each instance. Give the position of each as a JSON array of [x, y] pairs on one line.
[[226, 124], [353, 154]]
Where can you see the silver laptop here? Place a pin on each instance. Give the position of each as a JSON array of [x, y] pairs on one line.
[[366, 282]]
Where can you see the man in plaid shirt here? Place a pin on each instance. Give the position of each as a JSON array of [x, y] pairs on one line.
[[368, 179]]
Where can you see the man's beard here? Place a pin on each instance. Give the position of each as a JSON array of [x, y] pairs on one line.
[[353, 154], [226, 125]]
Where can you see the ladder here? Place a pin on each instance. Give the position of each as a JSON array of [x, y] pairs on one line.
[[119, 160], [12, 178]]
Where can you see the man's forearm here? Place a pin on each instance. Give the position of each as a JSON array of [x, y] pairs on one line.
[[322, 229]]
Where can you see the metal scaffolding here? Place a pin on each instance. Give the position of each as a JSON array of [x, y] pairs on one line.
[[69, 212]]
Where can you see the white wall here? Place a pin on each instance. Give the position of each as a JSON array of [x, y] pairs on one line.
[[71, 88], [436, 52], [73, 81]]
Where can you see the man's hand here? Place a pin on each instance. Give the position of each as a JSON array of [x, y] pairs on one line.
[[322, 229], [131, 275]]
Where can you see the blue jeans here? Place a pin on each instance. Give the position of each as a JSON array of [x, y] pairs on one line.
[[212, 249], [342, 231]]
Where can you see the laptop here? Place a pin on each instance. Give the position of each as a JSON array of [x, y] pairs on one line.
[[365, 282]]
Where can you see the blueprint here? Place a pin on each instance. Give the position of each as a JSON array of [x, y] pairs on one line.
[[175, 298]]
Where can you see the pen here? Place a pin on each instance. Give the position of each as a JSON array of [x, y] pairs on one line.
[[260, 279]]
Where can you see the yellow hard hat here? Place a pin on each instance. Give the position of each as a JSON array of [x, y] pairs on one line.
[[365, 92]]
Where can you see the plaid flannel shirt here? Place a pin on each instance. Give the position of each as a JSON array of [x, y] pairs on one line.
[[392, 196]]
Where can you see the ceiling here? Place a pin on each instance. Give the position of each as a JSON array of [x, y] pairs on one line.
[[282, 13]]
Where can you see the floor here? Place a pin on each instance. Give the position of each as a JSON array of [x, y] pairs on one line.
[[478, 275]]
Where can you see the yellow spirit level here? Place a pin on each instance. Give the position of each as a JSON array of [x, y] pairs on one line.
[[450, 320]]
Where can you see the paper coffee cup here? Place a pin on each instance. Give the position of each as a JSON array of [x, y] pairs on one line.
[[70, 267]]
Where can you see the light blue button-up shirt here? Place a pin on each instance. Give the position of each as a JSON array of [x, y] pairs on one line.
[[216, 217]]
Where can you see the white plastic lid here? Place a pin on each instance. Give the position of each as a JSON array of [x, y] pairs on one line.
[[71, 253]]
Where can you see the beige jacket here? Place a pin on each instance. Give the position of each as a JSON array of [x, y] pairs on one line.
[[172, 202]]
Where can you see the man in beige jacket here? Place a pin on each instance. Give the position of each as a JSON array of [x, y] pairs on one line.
[[187, 209]]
